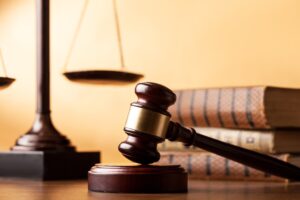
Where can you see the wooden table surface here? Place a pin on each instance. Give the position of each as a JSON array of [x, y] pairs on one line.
[[200, 190]]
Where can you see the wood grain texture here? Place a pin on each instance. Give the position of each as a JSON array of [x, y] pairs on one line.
[[217, 190], [142, 179]]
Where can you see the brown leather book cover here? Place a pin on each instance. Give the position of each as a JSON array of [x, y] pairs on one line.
[[242, 107], [264, 141], [204, 165]]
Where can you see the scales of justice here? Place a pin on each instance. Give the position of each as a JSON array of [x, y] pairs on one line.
[[43, 152]]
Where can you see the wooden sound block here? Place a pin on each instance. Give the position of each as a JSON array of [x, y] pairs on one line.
[[137, 179]]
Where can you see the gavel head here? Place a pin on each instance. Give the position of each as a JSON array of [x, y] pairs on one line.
[[147, 123]]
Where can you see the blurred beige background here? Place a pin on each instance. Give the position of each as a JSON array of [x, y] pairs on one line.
[[179, 43]]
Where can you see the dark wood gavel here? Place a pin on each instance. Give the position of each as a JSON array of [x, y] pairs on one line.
[[148, 124]]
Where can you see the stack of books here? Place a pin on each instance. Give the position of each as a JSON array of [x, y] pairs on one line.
[[263, 119]]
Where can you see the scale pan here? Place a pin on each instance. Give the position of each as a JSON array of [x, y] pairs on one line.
[[103, 76], [5, 82]]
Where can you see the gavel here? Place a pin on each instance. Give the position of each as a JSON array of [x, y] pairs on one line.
[[148, 124]]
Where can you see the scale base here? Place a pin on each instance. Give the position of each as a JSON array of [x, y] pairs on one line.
[[47, 165], [138, 179]]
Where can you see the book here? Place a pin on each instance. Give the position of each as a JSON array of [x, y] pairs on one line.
[[204, 165], [260, 107], [270, 141]]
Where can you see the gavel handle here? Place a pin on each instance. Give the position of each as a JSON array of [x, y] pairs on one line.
[[259, 161]]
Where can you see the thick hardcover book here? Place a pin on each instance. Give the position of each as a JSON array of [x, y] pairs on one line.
[[244, 107], [271, 141], [203, 165]]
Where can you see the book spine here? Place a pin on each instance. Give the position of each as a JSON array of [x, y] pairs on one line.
[[254, 140], [224, 107], [203, 165]]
